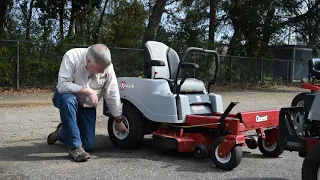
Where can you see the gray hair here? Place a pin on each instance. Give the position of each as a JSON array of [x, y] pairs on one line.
[[99, 52]]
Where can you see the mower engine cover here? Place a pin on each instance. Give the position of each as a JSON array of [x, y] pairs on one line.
[[154, 99]]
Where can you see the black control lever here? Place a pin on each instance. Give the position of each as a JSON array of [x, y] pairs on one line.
[[226, 113], [186, 75]]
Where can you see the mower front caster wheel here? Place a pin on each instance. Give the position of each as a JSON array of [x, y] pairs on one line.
[[200, 151], [252, 143], [269, 150], [229, 162]]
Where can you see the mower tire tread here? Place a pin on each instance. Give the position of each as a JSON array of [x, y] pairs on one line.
[[252, 143], [136, 128], [274, 153], [311, 163], [236, 156], [298, 98]]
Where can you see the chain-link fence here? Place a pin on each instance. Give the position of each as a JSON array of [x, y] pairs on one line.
[[235, 69], [36, 65]]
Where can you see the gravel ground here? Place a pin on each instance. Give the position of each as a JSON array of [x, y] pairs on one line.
[[27, 119]]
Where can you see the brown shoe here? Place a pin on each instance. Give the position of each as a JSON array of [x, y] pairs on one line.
[[78, 154], [53, 137]]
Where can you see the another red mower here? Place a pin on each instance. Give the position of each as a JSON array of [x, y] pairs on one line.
[[183, 116], [313, 83], [299, 130]]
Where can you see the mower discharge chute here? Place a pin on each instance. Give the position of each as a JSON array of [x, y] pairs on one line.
[[183, 116]]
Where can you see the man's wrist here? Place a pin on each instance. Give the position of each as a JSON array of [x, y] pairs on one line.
[[118, 119], [89, 91]]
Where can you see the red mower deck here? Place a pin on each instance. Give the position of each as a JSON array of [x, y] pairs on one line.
[[199, 133]]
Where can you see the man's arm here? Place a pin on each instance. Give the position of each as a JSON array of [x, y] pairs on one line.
[[112, 95], [66, 76]]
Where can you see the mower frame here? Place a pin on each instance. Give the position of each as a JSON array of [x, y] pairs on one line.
[[219, 134]]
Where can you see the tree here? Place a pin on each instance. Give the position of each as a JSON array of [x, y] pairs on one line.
[[79, 13], [29, 20], [4, 6], [97, 30], [154, 21], [255, 22], [308, 28], [212, 23], [127, 25]]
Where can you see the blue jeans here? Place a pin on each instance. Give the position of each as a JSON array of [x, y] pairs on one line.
[[78, 123]]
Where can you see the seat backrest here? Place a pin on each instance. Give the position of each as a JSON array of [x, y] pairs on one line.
[[154, 50], [314, 67], [174, 60]]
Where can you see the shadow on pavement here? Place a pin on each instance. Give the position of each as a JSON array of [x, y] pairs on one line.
[[248, 154], [41, 151], [257, 178]]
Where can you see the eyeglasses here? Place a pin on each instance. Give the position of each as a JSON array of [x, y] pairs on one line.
[[96, 68]]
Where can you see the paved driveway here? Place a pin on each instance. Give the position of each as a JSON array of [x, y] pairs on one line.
[[24, 153]]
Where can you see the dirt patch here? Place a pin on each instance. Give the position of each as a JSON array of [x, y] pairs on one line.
[[24, 104], [42, 97], [25, 99], [261, 88]]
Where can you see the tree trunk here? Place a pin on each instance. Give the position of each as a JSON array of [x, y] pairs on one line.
[[61, 18], [154, 21], [71, 26], [267, 32], [45, 30], [213, 9], [97, 31], [29, 20], [3, 11], [235, 41], [236, 21], [72, 21]]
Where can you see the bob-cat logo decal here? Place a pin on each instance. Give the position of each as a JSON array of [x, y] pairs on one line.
[[123, 85]]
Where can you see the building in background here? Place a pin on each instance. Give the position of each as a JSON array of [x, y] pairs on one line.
[[293, 66]]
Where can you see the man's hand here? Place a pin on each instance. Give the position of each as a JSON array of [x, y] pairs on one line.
[[120, 126], [93, 97], [91, 94]]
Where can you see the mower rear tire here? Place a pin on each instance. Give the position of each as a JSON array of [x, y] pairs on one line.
[[298, 100], [231, 161], [270, 151], [311, 164], [133, 119]]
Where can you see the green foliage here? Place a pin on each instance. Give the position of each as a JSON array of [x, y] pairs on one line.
[[247, 27], [7, 68], [127, 24]]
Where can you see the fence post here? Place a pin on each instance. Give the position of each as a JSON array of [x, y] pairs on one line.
[[230, 69], [287, 79], [261, 73], [18, 65]]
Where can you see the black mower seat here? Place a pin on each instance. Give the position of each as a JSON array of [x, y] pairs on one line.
[[314, 68], [192, 85]]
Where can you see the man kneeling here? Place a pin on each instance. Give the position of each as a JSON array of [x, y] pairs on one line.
[[85, 75]]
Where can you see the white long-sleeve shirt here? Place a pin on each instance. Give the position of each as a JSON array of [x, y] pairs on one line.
[[73, 75]]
